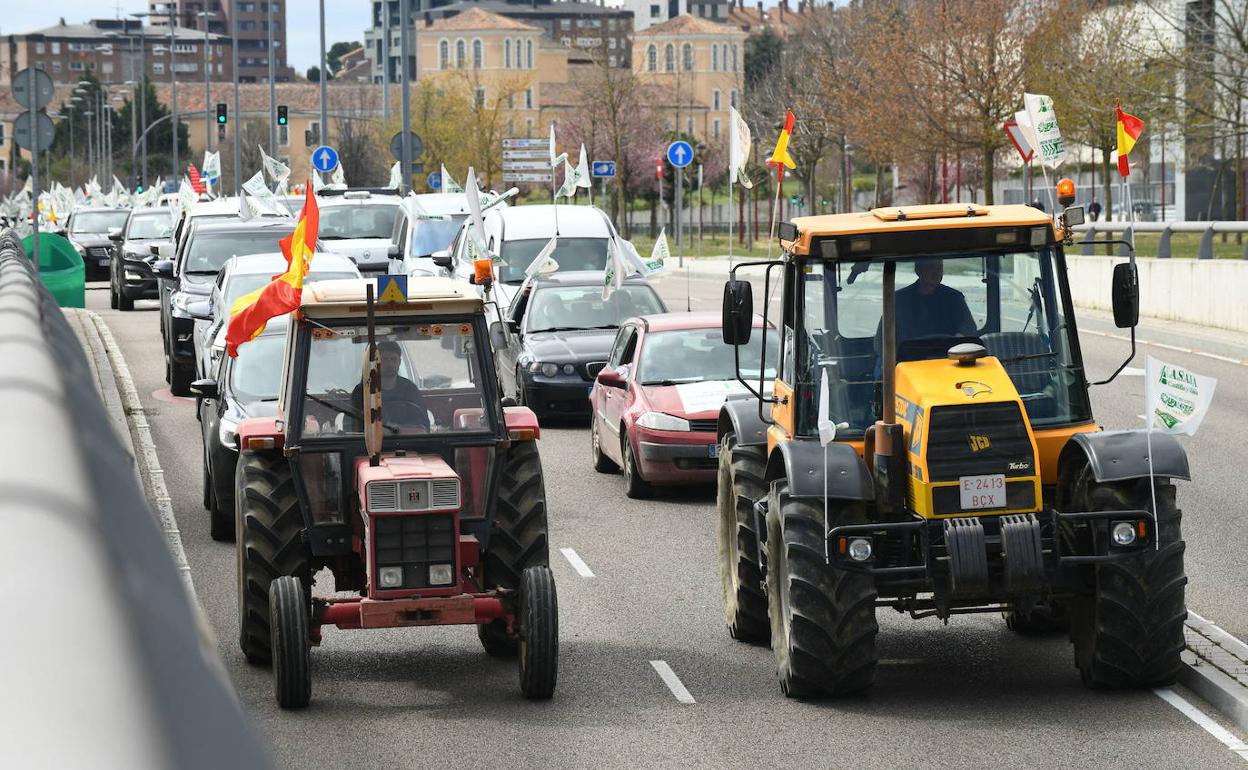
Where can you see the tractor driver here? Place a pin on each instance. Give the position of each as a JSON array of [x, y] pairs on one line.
[[928, 308], [402, 404]]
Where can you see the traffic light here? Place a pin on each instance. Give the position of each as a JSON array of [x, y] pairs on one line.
[[222, 114], [283, 116], [793, 200], [658, 169]]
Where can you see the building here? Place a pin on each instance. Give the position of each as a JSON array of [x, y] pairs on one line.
[[261, 28], [780, 19], [354, 67], [115, 51], [647, 13]]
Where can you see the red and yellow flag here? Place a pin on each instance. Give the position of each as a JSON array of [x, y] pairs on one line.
[[252, 311], [780, 157], [1129, 129]]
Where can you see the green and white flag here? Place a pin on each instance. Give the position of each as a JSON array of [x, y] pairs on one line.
[[582, 170], [449, 185], [658, 255], [543, 263], [396, 179], [613, 277], [267, 200], [1049, 145], [571, 180], [279, 172], [1175, 400]]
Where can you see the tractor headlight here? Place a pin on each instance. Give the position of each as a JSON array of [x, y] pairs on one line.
[[662, 421], [1123, 533], [441, 574], [860, 549], [390, 577]]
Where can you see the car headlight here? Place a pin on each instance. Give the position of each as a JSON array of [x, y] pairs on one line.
[[227, 432], [662, 421], [390, 577], [548, 369]]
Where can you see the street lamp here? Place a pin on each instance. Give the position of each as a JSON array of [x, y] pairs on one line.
[[206, 15], [74, 102], [143, 84], [173, 100]]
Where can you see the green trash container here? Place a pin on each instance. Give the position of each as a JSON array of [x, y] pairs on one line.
[[60, 269]]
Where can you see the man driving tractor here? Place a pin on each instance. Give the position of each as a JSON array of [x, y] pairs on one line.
[[402, 404], [927, 307]]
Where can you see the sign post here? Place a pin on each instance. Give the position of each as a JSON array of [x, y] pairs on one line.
[[33, 89], [680, 154]]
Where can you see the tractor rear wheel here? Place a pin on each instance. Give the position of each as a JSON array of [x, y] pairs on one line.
[[518, 536], [539, 633], [292, 672], [741, 472], [823, 625], [270, 545], [1129, 632]]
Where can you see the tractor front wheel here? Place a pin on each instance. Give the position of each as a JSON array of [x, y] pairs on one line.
[[741, 472], [539, 633], [288, 616]]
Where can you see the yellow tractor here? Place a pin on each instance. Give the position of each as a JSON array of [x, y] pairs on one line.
[[923, 441]]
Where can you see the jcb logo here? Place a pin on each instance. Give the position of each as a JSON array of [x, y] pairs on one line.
[[978, 443]]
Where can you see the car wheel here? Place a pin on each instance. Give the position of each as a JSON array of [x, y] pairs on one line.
[[602, 463], [634, 485], [112, 292]]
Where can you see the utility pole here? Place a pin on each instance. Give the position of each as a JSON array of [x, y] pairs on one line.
[[404, 18], [324, 81], [205, 15], [238, 118], [385, 61], [272, 87], [173, 84], [143, 86]]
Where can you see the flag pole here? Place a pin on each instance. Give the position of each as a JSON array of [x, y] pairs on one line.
[[775, 207], [731, 183]]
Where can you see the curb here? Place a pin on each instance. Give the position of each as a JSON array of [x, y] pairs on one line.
[[1216, 668]]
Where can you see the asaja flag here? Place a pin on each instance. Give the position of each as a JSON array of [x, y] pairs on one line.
[[780, 157], [1175, 399], [1129, 129], [582, 170], [283, 294], [449, 185], [658, 254], [739, 141], [396, 178], [1043, 119], [543, 260], [613, 277]]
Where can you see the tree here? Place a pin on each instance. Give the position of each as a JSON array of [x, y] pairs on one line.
[[359, 138], [438, 116]]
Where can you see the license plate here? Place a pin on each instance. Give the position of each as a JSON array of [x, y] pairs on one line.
[[712, 450], [978, 492]]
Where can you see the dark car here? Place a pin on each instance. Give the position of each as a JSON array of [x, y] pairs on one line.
[[243, 387], [191, 276], [560, 325], [88, 230], [130, 273]]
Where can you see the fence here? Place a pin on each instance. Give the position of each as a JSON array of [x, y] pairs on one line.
[[1093, 230]]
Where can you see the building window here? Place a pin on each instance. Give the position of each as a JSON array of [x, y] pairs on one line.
[[715, 98], [734, 58], [686, 57], [652, 59], [715, 58], [732, 98], [480, 97], [613, 60], [669, 58], [158, 67], [566, 42], [507, 54], [689, 126], [528, 53], [2, 137], [715, 128], [461, 51], [528, 98], [564, 24], [478, 55], [444, 54], [655, 11], [56, 66], [283, 135], [528, 126], [56, 48], [611, 43], [39, 47]]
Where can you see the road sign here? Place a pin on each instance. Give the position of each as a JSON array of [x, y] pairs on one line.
[[391, 289], [1019, 138], [325, 158], [529, 154], [44, 131], [602, 168], [396, 145], [526, 165], [43, 89], [434, 180], [526, 177], [679, 154], [520, 144]]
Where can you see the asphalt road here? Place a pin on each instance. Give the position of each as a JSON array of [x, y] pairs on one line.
[[968, 694]]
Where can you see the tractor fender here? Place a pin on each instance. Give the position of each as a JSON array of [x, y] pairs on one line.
[[740, 416], [801, 463], [1120, 455], [260, 428]]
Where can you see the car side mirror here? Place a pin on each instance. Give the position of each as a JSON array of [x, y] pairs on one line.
[[392, 251], [154, 249], [595, 367], [163, 269], [738, 312], [443, 259], [612, 378], [200, 310], [498, 335], [1126, 295], [205, 388], [114, 234]]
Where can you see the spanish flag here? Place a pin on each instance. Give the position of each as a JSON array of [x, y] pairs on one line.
[[1129, 129], [780, 158], [252, 311]]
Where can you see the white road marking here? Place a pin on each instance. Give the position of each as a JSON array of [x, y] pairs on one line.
[[577, 562], [672, 681], [1132, 371], [1166, 346], [1208, 725]]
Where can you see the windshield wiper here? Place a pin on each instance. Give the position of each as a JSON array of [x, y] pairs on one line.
[[682, 381], [1028, 357], [201, 272], [557, 329]]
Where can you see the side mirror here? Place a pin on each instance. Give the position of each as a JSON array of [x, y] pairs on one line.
[[738, 312], [114, 234], [163, 269], [1126, 295], [392, 251], [205, 388], [443, 259], [200, 310], [612, 378], [1074, 216], [154, 249], [498, 336], [595, 367]]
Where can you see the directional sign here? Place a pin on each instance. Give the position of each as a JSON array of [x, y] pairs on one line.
[[325, 158], [1019, 138], [396, 145], [391, 289], [679, 154], [44, 131], [434, 180], [528, 154], [526, 165], [602, 168], [519, 144], [43, 89], [526, 177]]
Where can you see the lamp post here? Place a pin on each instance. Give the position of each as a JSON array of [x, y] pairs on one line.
[[405, 142], [385, 61], [90, 142], [324, 81], [73, 163], [268, 50], [134, 137], [205, 15], [173, 83], [238, 118], [143, 85]]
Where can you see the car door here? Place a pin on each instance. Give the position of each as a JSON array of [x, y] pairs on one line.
[[615, 401], [508, 356]]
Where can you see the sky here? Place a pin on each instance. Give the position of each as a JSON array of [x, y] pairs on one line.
[[344, 20]]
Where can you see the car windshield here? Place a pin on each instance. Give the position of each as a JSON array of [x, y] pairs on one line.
[[241, 285], [699, 355], [208, 252], [345, 221], [99, 221], [563, 308], [256, 374], [570, 253], [429, 235], [158, 225], [430, 379]]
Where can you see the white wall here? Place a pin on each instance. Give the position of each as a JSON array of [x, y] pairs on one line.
[[1208, 292]]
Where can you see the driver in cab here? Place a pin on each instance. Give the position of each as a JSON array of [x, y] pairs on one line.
[[928, 308], [402, 405]]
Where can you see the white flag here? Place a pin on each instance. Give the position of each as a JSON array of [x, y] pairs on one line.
[[317, 183], [338, 177], [658, 254], [186, 194], [1175, 400], [257, 189], [279, 172], [582, 170], [449, 185], [396, 178], [244, 208], [543, 260], [1043, 122], [474, 209], [553, 160], [212, 167], [571, 180], [613, 277], [825, 424], [739, 140]]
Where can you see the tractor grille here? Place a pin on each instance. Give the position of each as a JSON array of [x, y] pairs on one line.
[[978, 440], [383, 496], [417, 495], [704, 426], [413, 543]]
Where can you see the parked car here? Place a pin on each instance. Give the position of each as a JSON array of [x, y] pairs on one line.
[[241, 387], [359, 224], [87, 229], [559, 326], [130, 272], [241, 276], [656, 401], [206, 249], [417, 236]]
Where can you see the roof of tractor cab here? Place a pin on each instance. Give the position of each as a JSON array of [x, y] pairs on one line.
[[941, 216], [425, 295]]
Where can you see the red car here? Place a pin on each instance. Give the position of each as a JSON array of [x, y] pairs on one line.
[[656, 402]]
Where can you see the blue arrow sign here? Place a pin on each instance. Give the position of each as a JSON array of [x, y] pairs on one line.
[[325, 158], [679, 154], [602, 168], [434, 180]]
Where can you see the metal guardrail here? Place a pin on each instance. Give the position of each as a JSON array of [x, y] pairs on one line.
[[1167, 229], [101, 657]]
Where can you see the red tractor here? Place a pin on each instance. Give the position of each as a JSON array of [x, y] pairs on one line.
[[395, 463]]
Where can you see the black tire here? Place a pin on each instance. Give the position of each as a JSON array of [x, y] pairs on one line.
[[292, 671], [602, 463], [635, 486], [1128, 633], [741, 472], [823, 625], [220, 520], [206, 476], [270, 545], [518, 536], [124, 302], [539, 633], [112, 293]]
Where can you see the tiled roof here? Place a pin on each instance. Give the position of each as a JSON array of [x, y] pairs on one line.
[[755, 20], [475, 18], [689, 25], [91, 31], [520, 10], [302, 98]]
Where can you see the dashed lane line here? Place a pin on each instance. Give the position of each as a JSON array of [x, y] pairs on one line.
[[1168, 346], [1227, 738], [672, 681], [577, 562]]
